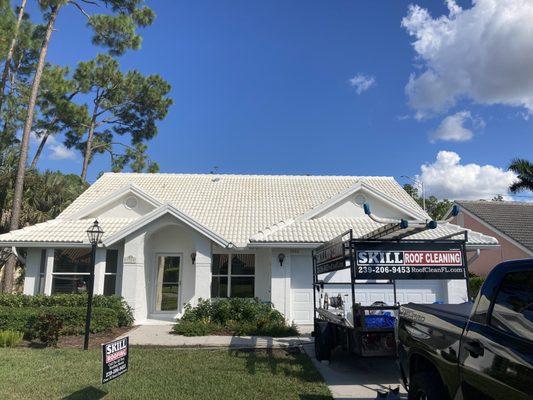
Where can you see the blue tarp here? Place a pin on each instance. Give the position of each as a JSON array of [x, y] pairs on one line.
[[379, 321]]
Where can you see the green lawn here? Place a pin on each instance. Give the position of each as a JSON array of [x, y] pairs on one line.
[[160, 374]]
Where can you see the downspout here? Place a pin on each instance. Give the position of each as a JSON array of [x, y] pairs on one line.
[[474, 257]]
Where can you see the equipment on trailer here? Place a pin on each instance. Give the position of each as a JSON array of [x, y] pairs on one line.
[[382, 256]]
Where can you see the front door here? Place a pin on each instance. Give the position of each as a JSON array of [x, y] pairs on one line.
[[167, 296]]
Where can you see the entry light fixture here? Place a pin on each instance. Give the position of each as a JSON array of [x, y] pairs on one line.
[[95, 233], [281, 257], [193, 258]]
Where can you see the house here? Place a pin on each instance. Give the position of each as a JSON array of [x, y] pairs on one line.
[[510, 222], [171, 239]]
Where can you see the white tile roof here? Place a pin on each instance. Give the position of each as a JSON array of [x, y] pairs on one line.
[[238, 206], [235, 207], [324, 229], [58, 231]]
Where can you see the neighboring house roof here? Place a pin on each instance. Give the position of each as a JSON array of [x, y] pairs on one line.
[[229, 209], [322, 230], [512, 218]]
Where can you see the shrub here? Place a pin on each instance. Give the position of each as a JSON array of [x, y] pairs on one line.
[[116, 303], [48, 328], [236, 316], [24, 319], [195, 328], [475, 282], [10, 338]]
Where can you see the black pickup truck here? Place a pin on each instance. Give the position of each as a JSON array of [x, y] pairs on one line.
[[479, 350]]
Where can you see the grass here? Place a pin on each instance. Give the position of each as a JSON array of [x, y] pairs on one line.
[[159, 373]]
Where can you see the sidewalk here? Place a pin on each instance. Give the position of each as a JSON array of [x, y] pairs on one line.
[[159, 335]]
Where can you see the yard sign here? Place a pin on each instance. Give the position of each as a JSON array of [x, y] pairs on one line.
[[114, 359]]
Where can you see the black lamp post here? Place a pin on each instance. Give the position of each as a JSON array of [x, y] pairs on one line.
[[95, 234]]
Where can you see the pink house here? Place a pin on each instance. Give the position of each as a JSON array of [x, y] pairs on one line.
[[508, 221]]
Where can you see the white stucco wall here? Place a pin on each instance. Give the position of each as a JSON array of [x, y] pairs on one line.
[[166, 236], [32, 271]]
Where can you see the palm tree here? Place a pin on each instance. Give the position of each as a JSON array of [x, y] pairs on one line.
[[524, 169]]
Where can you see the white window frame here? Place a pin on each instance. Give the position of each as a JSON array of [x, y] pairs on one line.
[[64, 273], [111, 273], [230, 275], [42, 271]]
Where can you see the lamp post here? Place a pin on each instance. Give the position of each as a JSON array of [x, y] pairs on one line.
[[421, 184], [95, 234]]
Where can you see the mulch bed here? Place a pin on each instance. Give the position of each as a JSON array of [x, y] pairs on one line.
[[76, 341]]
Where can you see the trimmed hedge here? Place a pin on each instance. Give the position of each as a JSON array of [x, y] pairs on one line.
[[233, 316], [24, 319], [116, 303]]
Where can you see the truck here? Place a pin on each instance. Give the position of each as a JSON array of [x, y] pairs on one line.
[[482, 349]]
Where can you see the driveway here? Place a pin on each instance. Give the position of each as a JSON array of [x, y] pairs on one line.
[[349, 377]]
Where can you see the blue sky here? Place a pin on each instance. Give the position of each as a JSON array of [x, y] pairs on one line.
[[264, 87]]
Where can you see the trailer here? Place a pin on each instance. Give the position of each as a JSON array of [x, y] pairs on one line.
[[382, 256]]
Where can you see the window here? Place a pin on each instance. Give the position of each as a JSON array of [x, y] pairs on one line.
[[110, 277], [513, 307], [71, 270], [42, 270], [233, 275]]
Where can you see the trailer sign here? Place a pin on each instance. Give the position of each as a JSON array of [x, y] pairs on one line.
[[114, 359], [409, 261], [331, 256]]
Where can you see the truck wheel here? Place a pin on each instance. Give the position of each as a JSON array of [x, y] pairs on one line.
[[322, 349], [426, 386]]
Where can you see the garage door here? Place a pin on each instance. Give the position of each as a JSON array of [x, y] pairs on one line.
[[301, 289], [419, 291]]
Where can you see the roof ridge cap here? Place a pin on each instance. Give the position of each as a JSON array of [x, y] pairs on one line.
[[248, 175]]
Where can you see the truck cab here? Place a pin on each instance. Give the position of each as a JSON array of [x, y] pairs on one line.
[[479, 350]]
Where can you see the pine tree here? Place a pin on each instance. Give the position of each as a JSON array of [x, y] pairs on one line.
[[116, 31], [10, 52], [122, 105]]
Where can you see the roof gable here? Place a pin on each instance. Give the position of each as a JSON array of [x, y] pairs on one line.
[[166, 209], [348, 201], [107, 204]]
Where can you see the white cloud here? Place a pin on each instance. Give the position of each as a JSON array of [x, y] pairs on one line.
[[484, 53], [454, 127], [448, 178], [59, 152], [362, 83], [56, 150]]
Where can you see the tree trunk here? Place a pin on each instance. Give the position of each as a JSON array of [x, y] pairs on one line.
[[9, 269], [39, 150], [89, 144], [10, 53]]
